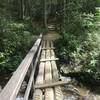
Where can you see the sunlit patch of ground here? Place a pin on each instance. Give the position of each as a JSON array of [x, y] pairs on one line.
[[52, 35]]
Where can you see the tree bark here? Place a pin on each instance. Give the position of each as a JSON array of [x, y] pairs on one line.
[[22, 8], [64, 15], [45, 14]]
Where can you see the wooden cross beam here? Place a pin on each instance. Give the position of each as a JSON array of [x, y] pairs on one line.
[[44, 60], [49, 85], [51, 48]]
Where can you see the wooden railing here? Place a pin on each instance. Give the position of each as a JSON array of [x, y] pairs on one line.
[[12, 88]]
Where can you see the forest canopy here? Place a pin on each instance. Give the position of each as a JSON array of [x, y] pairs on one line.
[[77, 21]]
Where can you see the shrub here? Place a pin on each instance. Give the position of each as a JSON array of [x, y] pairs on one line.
[[83, 49], [15, 40]]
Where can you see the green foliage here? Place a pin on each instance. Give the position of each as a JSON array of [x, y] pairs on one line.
[[70, 15], [38, 10], [15, 40], [17, 27], [88, 6], [80, 44]]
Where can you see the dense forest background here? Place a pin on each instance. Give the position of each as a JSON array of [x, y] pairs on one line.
[[77, 21], [18, 25]]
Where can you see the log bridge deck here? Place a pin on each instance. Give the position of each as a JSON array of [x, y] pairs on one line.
[[46, 86]]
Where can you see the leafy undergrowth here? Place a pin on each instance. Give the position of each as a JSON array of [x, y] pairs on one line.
[[84, 49], [16, 38]]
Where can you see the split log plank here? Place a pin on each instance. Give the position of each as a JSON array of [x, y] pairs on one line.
[[57, 89], [50, 85], [50, 59], [49, 92], [38, 94], [48, 48]]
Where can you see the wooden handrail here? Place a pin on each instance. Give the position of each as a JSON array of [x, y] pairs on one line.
[[12, 88], [29, 86]]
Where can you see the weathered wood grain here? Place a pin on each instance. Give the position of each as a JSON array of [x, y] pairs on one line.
[[50, 59], [57, 89], [48, 48], [29, 86], [50, 85], [13, 86], [49, 92], [38, 93], [47, 79]]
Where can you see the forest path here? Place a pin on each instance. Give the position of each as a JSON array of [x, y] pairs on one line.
[[52, 35]]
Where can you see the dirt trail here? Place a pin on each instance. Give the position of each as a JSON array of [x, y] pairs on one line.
[[52, 35]]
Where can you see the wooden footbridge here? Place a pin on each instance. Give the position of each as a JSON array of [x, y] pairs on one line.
[[41, 59]]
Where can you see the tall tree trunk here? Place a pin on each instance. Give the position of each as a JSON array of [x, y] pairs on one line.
[[29, 8], [45, 13], [22, 9], [64, 15]]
